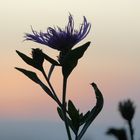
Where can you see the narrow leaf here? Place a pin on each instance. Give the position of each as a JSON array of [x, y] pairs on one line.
[[25, 58], [60, 113], [94, 112], [99, 97], [31, 75], [84, 118], [73, 112], [74, 115], [49, 59], [46, 89]]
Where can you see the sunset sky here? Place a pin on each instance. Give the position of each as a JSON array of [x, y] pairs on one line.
[[112, 60]]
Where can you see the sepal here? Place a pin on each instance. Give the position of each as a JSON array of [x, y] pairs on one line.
[[70, 60]]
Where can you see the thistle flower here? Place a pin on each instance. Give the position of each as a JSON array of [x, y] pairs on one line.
[[61, 39], [127, 109]]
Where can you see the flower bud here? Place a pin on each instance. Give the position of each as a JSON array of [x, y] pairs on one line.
[[127, 109], [38, 58]]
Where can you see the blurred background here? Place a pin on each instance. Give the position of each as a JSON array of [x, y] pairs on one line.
[[112, 62]]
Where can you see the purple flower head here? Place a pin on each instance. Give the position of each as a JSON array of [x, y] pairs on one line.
[[61, 39]]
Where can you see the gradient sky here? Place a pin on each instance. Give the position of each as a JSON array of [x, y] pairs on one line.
[[112, 61]]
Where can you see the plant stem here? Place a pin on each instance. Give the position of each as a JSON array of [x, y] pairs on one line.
[[55, 96], [76, 137], [50, 71], [64, 91], [131, 130], [64, 108]]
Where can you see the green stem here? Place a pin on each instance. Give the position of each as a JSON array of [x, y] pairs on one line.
[[55, 96], [131, 130], [64, 108]]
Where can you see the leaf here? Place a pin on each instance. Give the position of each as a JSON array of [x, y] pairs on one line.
[[72, 109], [52, 61], [60, 113], [99, 97], [84, 118], [94, 112], [29, 74], [35, 62], [74, 115], [71, 59], [79, 51], [72, 127], [25, 58], [46, 89], [119, 133], [32, 75]]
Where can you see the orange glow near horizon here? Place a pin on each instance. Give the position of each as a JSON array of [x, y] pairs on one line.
[[111, 61]]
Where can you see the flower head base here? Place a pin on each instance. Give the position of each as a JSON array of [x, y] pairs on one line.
[[61, 39], [127, 109]]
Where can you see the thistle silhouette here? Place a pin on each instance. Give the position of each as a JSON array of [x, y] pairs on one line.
[[127, 111], [63, 40]]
